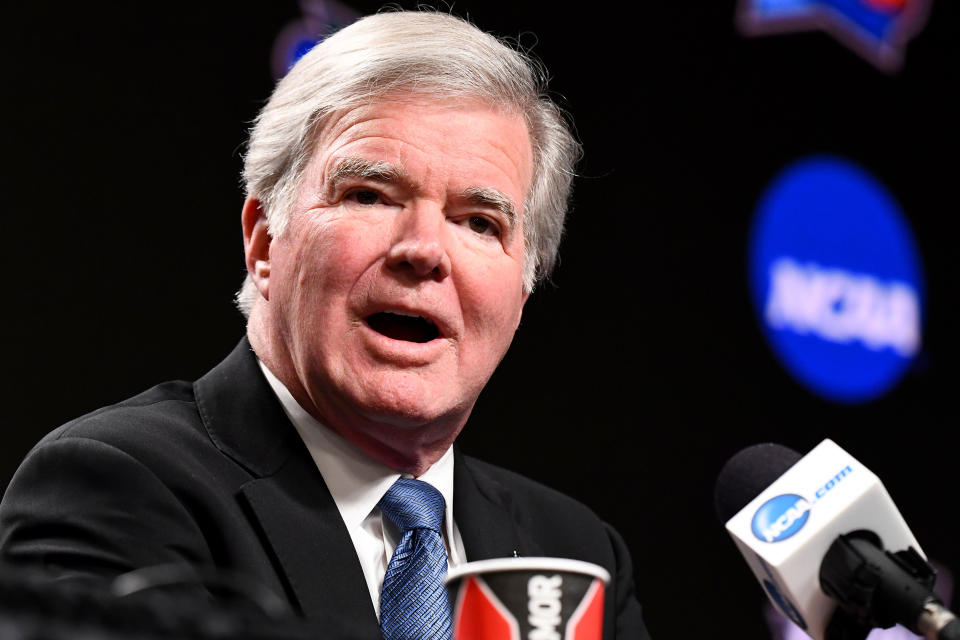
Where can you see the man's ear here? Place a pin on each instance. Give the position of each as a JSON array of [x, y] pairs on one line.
[[256, 244]]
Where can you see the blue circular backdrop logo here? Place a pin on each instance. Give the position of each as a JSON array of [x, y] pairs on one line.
[[780, 517], [836, 279]]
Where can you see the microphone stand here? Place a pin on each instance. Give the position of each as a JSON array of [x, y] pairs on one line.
[[877, 588]]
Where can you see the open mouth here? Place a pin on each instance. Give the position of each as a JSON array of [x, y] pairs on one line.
[[403, 327]]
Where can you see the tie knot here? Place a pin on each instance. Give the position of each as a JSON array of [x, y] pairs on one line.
[[413, 504]]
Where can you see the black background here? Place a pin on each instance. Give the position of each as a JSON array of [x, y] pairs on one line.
[[633, 377]]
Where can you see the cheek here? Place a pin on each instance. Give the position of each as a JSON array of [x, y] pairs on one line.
[[490, 286], [492, 301], [332, 259]]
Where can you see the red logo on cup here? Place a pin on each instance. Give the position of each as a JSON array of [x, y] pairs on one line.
[[527, 599], [478, 614]]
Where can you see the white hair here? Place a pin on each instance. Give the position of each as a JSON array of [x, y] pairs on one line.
[[421, 53]]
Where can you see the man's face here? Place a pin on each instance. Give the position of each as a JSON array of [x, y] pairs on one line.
[[397, 286]]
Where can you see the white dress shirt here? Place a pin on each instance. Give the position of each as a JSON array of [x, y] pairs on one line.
[[357, 483]]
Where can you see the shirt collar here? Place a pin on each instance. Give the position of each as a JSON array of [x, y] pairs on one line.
[[356, 481]]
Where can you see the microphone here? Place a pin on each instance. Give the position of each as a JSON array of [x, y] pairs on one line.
[[814, 530]]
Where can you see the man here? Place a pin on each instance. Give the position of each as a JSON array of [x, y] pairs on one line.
[[407, 184]]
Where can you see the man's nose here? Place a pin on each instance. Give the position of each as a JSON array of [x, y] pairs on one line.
[[420, 244]]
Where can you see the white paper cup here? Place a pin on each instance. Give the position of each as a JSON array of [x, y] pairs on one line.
[[527, 598]]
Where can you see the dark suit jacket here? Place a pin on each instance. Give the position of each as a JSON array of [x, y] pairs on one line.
[[214, 474]]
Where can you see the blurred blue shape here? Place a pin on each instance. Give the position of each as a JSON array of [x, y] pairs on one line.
[[320, 19], [836, 279], [877, 29]]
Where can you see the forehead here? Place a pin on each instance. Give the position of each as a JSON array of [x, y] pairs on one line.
[[467, 143]]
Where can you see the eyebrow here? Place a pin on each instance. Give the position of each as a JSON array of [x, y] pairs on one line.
[[356, 167], [487, 197], [380, 171]]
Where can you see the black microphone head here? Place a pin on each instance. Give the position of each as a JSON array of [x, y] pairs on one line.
[[747, 474]]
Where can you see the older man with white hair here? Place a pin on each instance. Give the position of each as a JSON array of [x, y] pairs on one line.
[[406, 189]]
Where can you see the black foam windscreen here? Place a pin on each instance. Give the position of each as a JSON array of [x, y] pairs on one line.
[[747, 474]]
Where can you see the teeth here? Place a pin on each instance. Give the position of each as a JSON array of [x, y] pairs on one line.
[[409, 314]]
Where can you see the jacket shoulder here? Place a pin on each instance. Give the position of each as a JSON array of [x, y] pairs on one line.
[[160, 415]]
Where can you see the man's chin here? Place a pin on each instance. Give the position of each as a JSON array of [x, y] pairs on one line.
[[404, 412], [411, 417], [407, 398], [408, 442]]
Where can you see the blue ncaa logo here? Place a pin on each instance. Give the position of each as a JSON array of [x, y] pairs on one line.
[[836, 279], [780, 517]]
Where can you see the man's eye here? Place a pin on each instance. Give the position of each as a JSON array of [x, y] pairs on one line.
[[365, 196], [483, 226]]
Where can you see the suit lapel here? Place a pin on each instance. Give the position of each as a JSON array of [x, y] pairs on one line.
[[242, 415], [287, 500], [484, 513], [309, 540]]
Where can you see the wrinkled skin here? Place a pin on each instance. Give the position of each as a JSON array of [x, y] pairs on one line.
[[412, 240]]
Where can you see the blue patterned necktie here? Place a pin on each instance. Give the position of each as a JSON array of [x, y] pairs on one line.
[[413, 600]]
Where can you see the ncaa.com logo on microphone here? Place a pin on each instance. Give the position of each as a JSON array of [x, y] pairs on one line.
[[783, 516]]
